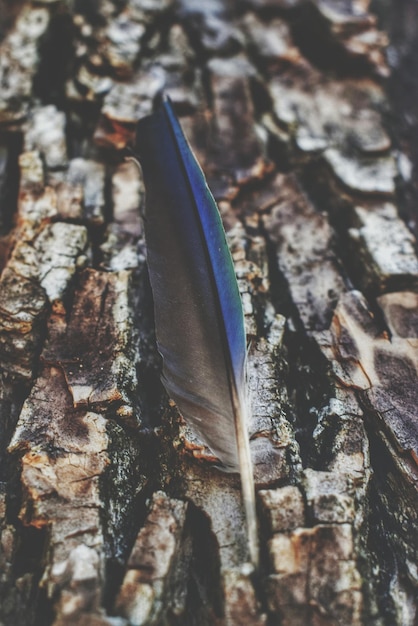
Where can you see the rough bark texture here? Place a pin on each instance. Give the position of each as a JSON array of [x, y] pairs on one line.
[[303, 116]]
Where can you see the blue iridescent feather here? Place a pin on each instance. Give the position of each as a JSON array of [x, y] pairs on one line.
[[220, 258], [198, 312]]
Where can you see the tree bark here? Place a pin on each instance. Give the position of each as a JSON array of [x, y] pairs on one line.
[[112, 512]]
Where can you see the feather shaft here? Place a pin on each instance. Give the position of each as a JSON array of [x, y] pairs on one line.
[[198, 312]]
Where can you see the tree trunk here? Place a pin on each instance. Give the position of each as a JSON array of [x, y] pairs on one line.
[[111, 510]]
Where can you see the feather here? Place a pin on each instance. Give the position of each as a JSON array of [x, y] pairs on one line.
[[198, 312]]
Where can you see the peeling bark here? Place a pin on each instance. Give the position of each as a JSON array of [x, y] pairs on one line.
[[112, 512]]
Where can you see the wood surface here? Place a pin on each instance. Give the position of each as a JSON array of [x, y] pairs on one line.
[[301, 113]]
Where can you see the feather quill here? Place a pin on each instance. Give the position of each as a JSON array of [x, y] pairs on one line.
[[198, 312]]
